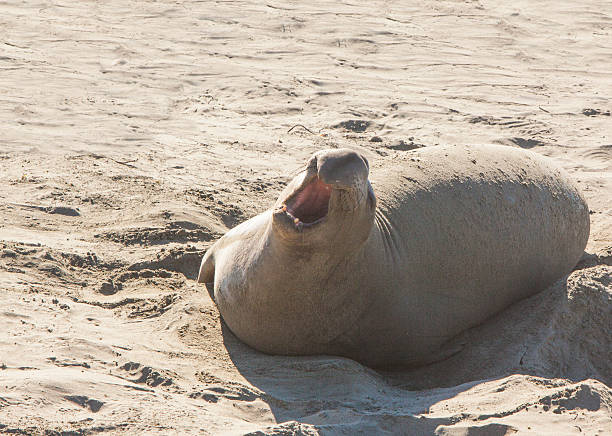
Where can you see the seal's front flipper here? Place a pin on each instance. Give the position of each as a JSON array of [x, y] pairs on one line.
[[207, 268]]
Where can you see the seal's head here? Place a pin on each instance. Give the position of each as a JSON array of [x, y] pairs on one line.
[[332, 197]]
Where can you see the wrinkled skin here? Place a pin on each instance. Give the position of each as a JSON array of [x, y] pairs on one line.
[[452, 236]]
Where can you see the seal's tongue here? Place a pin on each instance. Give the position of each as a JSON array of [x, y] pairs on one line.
[[311, 203]]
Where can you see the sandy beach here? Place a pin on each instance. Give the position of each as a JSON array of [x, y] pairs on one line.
[[136, 133]]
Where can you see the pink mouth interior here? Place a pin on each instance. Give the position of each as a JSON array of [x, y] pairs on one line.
[[311, 203]]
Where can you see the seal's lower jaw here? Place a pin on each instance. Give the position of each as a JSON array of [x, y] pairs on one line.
[[308, 205]]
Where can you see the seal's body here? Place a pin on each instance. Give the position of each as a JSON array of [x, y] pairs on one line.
[[452, 236]]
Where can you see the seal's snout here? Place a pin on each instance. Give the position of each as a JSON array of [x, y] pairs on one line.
[[332, 179], [341, 167]]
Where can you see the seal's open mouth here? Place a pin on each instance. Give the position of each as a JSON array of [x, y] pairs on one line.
[[310, 204]]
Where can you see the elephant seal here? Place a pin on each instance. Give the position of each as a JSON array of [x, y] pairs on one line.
[[452, 236]]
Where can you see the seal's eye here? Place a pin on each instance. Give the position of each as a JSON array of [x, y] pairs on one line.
[[311, 203]]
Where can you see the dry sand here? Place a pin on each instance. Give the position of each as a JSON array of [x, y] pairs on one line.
[[134, 133]]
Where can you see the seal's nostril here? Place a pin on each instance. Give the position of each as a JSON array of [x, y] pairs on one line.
[[341, 167]]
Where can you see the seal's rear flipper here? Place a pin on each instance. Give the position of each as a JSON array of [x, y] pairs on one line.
[[207, 268]]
